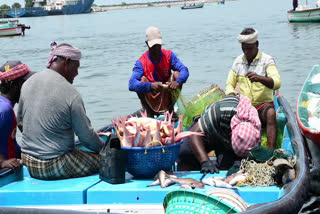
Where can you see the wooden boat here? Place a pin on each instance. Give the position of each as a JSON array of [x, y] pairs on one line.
[[195, 6], [10, 28], [20, 193], [304, 13], [309, 91]]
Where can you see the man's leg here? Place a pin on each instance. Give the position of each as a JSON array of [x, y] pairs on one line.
[[267, 115], [146, 106], [77, 163]]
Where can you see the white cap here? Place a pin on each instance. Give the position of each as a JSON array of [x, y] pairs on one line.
[[153, 36]]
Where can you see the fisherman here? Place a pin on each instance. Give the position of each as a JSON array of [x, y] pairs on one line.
[[257, 76], [294, 4], [231, 128], [12, 75], [152, 73], [51, 112]]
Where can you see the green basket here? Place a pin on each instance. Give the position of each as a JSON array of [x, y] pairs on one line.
[[193, 202]]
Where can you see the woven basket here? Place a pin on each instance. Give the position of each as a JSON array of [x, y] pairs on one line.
[[190, 201], [147, 162]]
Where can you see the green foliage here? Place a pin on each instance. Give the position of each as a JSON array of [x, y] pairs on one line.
[[123, 3], [16, 5], [29, 3], [149, 4], [4, 7]]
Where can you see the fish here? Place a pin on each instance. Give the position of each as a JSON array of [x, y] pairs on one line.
[[185, 186], [237, 178], [216, 182], [141, 131], [161, 178], [230, 177], [187, 181]]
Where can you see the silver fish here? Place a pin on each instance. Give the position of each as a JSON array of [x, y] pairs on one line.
[[216, 182], [189, 181], [161, 178]]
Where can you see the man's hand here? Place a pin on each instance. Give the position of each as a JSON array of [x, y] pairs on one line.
[[209, 166], [253, 77], [173, 85], [12, 163], [156, 86]]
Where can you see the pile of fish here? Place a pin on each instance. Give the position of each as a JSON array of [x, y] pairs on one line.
[[147, 132], [164, 180]]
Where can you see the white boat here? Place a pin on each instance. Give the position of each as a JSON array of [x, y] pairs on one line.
[[10, 28]]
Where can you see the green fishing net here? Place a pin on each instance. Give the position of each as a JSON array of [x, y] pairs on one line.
[[197, 104]]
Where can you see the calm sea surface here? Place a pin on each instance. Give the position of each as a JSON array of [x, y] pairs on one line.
[[204, 39]]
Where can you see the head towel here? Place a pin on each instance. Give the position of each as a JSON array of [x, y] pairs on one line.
[[63, 51], [250, 39]]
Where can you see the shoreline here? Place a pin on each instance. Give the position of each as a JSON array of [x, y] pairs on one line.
[[104, 8]]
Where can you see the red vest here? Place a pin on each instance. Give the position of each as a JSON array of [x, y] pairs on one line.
[[162, 69]]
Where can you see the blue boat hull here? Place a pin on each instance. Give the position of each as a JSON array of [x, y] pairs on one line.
[[82, 6], [20, 190]]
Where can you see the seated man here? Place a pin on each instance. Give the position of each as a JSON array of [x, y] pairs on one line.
[[231, 128], [51, 112], [12, 75], [257, 76], [152, 71]]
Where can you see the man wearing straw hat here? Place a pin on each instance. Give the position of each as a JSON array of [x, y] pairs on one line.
[[12, 75], [152, 78], [257, 76]]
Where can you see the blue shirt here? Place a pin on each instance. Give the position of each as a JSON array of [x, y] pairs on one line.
[[143, 87], [8, 143]]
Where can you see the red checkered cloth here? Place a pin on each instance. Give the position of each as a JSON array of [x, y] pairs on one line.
[[14, 73], [245, 127]]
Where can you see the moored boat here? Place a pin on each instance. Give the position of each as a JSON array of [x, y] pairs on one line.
[[304, 13], [20, 193], [194, 6], [10, 28], [307, 106]]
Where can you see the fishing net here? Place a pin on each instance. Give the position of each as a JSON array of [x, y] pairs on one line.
[[197, 104], [262, 174], [259, 174]]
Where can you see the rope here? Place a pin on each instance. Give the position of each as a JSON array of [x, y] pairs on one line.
[[259, 174]]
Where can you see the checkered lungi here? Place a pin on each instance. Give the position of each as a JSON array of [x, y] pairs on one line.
[[77, 163]]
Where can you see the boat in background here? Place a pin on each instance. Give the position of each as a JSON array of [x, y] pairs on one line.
[[53, 7], [194, 6], [309, 98], [304, 13], [10, 28]]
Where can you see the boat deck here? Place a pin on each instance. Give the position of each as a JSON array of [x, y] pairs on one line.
[[22, 190]]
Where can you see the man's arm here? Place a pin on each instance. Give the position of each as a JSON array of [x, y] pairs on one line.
[[20, 116], [135, 83], [82, 126], [197, 144], [272, 80], [231, 83], [200, 152], [12, 163], [177, 65]]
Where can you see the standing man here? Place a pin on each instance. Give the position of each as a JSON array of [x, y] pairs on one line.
[[153, 79], [12, 75], [51, 112], [257, 76]]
